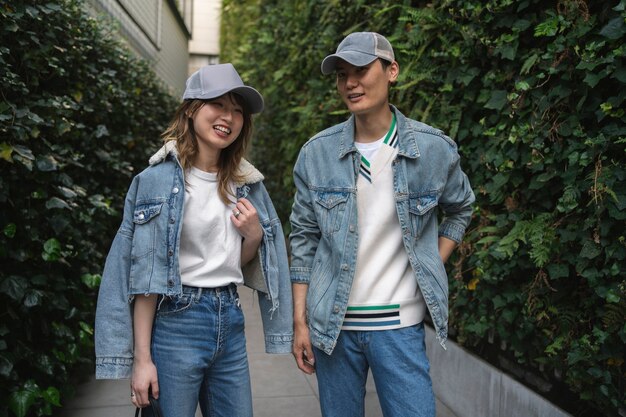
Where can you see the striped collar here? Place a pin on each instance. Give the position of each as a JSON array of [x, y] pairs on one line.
[[391, 139]]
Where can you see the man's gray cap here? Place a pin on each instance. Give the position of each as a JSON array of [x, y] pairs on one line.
[[359, 49], [212, 81]]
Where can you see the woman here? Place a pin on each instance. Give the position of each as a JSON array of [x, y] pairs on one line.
[[197, 223]]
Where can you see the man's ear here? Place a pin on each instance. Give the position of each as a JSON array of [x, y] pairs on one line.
[[393, 71]]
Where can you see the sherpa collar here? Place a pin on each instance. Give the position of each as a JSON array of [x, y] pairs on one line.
[[249, 173]]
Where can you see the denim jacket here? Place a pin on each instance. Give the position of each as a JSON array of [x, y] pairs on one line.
[[426, 177], [143, 259]]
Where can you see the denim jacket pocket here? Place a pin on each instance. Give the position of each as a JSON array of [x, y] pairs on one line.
[[330, 208], [421, 208], [144, 219]]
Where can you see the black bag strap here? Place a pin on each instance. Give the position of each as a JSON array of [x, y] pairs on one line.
[[154, 404]]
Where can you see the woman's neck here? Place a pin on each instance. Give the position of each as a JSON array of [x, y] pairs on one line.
[[207, 161]]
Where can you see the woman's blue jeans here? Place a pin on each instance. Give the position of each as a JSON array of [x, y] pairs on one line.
[[399, 366], [199, 349]]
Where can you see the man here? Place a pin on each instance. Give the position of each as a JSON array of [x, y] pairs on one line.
[[367, 248]]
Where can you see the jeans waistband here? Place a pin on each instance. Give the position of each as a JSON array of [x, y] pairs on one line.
[[230, 289]]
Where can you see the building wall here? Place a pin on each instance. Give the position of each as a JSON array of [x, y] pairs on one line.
[[204, 46], [172, 64], [156, 30]]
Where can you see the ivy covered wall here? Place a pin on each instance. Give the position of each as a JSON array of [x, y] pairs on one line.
[[533, 92], [78, 117]]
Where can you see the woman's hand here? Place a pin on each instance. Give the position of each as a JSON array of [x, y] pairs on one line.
[[143, 381], [144, 375], [246, 220]]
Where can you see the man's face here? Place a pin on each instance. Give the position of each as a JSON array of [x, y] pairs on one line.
[[365, 89]]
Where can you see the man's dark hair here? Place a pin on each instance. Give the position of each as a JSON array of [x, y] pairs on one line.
[[384, 63]]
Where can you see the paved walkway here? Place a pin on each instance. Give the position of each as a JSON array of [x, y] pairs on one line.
[[279, 388]]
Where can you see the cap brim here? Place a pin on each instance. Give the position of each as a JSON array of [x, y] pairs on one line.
[[358, 59], [252, 97]]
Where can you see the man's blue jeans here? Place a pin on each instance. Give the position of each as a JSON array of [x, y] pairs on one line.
[[399, 365], [199, 349]]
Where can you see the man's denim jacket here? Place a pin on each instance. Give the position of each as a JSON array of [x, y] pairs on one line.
[[144, 260], [324, 238]]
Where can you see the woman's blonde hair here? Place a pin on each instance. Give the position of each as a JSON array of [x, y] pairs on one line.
[[181, 130]]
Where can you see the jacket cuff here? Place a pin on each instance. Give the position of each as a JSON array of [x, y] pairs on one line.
[[300, 275], [452, 231], [278, 344], [114, 368]]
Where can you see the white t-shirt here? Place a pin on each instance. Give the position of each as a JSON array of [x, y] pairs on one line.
[[368, 150], [210, 245]]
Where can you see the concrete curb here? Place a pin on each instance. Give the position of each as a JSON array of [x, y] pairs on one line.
[[470, 387]]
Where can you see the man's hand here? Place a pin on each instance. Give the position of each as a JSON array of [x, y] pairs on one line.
[[302, 349]]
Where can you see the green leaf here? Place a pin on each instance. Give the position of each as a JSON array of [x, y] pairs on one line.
[[528, 64], [51, 250], [547, 28], [14, 287], [615, 29], [590, 250], [556, 271], [57, 203], [497, 100], [6, 151], [52, 396], [91, 280], [20, 401], [47, 163], [24, 152], [44, 363], [67, 192], [6, 366], [12, 27], [592, 79], [9, 230], [86, 328], [620, 74], [33, 298], [101, 131]]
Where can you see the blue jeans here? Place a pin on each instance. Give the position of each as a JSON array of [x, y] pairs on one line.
[[399, 366], [199, 349]]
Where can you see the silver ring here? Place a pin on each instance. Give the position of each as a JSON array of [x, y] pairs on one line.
[[237, 213], [132, 394]]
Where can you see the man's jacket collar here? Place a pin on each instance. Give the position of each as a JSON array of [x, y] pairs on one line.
[[407, 142]]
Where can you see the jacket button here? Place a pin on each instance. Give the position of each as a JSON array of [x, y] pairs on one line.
[[336, 309], [170, 282], [344, 267], [141, 216], [172, 220], [175, 190], [352, 228], [170, 252]]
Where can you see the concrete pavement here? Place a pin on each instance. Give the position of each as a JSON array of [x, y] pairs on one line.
[[279, 388]]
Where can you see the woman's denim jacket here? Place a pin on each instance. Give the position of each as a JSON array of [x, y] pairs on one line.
[[144, 260], [324, 238]]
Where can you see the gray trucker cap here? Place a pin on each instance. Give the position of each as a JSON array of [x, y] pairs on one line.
[[359, 49], [212, 81]]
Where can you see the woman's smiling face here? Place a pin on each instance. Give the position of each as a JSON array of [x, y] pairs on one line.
[[218, 123]]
